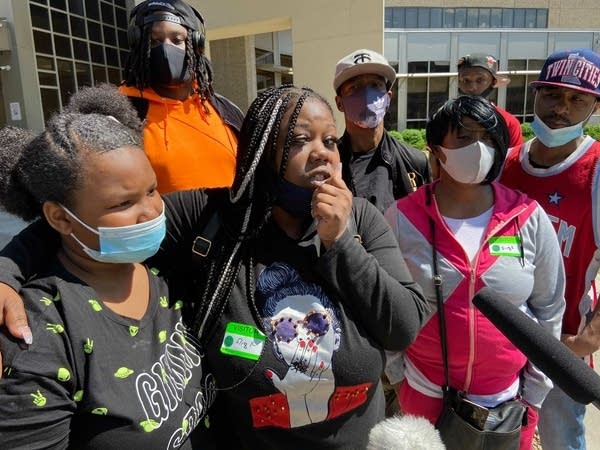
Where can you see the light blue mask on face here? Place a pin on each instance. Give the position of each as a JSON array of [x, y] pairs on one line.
[[555, 137], [128, 244]]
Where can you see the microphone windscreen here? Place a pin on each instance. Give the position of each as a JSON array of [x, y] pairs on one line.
[[405, 433], [557, 361]]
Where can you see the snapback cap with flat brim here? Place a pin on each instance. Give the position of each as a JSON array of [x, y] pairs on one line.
[[577, 69]]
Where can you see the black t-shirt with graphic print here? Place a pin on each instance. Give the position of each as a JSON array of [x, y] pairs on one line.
[[95, 379]]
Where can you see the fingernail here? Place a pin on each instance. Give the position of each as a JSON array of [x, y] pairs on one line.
[[26, 332]]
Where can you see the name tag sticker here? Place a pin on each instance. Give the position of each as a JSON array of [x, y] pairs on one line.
[[505, 246], [243, 340]]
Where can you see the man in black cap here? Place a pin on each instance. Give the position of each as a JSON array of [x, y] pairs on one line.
[[478, 75], [190, 134]]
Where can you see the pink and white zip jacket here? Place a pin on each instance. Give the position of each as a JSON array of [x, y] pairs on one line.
[[519, 257]]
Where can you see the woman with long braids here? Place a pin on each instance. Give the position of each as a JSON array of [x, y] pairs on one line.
[[300, 287], [190, 132]]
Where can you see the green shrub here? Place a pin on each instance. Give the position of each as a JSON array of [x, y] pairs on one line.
[[527, 131], [593, 130], [413, 137]]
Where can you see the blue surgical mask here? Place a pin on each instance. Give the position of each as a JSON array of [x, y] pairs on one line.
[[294, 199], [128, 244], [366, 107], [555, 137]]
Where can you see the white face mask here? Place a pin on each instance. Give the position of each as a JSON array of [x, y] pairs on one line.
[[470, 164]]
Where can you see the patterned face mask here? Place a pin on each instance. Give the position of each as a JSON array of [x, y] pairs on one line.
[[366, 107]]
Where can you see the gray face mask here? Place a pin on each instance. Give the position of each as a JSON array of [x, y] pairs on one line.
[[168, 66]]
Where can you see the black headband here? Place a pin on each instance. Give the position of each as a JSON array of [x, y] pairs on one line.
[[162, 16]]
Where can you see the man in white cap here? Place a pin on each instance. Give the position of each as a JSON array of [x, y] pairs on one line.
[[375, 165], [560, 168]]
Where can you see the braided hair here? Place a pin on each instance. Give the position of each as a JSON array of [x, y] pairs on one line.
[[48, 166], [137, 67], [245, 210]]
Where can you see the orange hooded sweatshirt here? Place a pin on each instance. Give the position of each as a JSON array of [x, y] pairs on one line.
[[188, 146]]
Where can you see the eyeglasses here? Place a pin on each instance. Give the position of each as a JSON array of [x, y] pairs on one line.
[[285, 328]]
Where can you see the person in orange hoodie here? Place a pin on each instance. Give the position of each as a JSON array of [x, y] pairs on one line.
[[190, 133]]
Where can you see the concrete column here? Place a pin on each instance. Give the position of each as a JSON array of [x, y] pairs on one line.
[[234, 65]]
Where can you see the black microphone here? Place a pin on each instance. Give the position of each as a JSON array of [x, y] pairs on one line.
[[556, 360]]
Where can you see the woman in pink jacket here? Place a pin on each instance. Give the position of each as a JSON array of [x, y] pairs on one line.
[[465, 216]]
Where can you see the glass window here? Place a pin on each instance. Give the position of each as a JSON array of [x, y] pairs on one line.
[[43, 2], [496, 18], [78, 27], [76, 7], [123, 54], [439, 66], [530, 18], [472, 18], [286, 60], [460, 17], [59, 4], [60, 23], [91, 9], [94, 31], [390, 120], [121, 16], [47, 78], [418, 67], [507, 18], [97, 52], [412, 17], [438, 93], [436, 17], [519, 18], [123, 43], [62, 46], [50, 102], [423, 18], [264, 80], [398, 18], [66, 79], [99, 74], [120, 3], [542, 18], [42, 42], [112, 56], [39, 17], [484, 18], [114, 75], [449, 18], [517, 64], [108, 15], [416, 98], [84, 75], [388, 15], [514, 95], [44, 63], [80, 49], [535, 64], [110, 35]]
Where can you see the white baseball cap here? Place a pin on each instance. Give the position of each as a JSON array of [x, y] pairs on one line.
[[361, 62]]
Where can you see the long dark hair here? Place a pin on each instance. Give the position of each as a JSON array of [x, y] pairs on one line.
[[248, 204]]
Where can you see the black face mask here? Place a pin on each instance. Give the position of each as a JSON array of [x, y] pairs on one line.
[[296, 200], [168, 66]]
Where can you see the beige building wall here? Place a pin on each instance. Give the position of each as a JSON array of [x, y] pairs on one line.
[[322, 33]]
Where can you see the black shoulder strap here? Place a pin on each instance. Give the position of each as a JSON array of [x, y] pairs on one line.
[[203, 242], [141, 105]]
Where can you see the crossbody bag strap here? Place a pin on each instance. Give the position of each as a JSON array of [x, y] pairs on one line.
[[437, 283]]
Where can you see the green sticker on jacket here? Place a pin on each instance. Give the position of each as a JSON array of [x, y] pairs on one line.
[[506, 246]]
